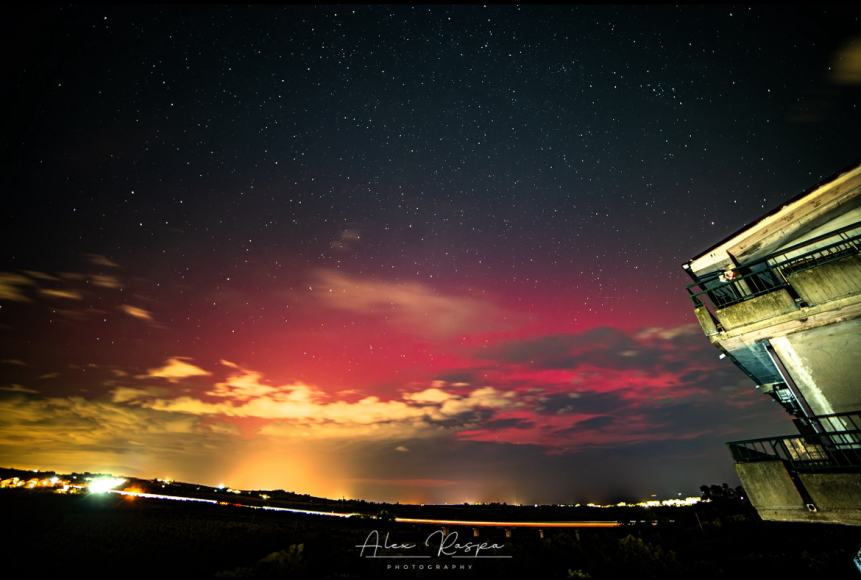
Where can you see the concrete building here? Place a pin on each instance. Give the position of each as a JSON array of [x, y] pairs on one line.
[[781, 299]]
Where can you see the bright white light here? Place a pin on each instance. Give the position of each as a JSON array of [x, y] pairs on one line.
[[104, 484]]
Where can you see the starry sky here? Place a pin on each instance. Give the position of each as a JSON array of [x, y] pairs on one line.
[[396, 253]]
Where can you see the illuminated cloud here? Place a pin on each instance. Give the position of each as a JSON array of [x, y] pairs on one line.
[[245, 384], [127, 394], [136, 312], [176, 368], [61, 294], [240, 421], [36, 275], [76, 434], [410, 305], [12, 287], [105, 281], [305, 411], [432, 395], [18, 389]]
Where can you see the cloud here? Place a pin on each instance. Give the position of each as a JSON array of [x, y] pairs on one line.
[[650, 350], [77, 433], [13, 362], [608, 387], [235, 420], [846, 65], [36, 275], [432, 395], [135, 312], [347, 238], [410, 305], [582, 402], [12, 287], [245, 384], [175, 369], [99, 260], [60, 293], [309, 407], [105, 281], [603, 386], [65, 286], [76, 420], [306, 411], [18, 389], [127, 394]]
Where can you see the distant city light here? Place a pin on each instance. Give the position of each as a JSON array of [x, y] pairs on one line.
[[104, 484]]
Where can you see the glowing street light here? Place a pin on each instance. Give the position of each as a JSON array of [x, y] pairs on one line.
[[104, 484]]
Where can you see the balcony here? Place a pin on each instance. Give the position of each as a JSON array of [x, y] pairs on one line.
[[809, 274], [807, 477]]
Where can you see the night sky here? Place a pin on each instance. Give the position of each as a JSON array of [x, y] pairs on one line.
[[396, 253]]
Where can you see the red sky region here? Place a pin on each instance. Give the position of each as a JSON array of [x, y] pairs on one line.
[[253, 255], [105, 373]]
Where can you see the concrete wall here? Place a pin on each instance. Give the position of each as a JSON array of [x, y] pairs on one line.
[[834, 491], [837, 496], [825, 363], [828, 281], [705, 318], [755, 309], [769, 486]]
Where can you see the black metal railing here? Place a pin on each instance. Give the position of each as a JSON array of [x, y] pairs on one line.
[[771, 272], [833, 444]]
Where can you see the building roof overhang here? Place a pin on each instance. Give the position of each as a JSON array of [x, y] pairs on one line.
[[773, 230]]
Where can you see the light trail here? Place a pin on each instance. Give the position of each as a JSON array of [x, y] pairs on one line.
[[472, 523], [485, 524], [308, 512], [213, 501], [160, 496]]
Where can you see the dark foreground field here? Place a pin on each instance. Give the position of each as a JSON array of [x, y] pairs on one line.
[[108, 535]]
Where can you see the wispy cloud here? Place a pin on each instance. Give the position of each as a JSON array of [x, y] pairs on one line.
[[413, 306], [105, 281], [12, 287], [846, 65], [136, 312], [100, 260], [60, 293], [18, 389]]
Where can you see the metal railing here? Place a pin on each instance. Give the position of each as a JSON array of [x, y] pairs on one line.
[[771, 272], [834, 444]]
